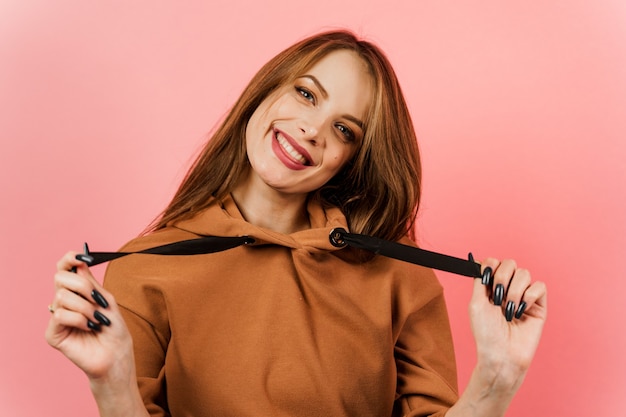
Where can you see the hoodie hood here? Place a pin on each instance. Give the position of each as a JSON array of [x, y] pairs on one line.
[[223, 218]]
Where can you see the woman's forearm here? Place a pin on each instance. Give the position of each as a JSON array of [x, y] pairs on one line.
[[116, 391], [118, 400]]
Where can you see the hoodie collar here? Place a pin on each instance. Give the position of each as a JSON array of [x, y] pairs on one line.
[[223, 218]]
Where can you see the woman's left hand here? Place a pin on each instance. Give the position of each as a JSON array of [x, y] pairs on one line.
[[507, 317]]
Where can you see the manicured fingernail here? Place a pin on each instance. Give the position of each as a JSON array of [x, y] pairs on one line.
[[102, 318], [520, 310], [99, 299], [509, 311], [498, 295], [84, 258], [470, 257], [85, 248], [93, 326], [487, 275]]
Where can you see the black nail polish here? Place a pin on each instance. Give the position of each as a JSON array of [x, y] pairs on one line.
[[520, 310], [93, 326], [510, 309], [99, 299], [102, 318], [498, 295], [487, 275], [84, 258]]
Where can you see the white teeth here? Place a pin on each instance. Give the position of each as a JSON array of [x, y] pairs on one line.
[[290, 150]]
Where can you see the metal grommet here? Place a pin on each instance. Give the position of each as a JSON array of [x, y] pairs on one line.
[[336, 237]]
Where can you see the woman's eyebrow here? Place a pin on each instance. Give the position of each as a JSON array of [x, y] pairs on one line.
[[354, 120], [319, 86]]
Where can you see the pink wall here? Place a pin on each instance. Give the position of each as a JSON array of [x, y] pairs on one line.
[[520, 109]]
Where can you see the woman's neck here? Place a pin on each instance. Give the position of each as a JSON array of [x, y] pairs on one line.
[[268, 208]]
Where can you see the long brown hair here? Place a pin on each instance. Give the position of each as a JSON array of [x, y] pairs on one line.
[[378, 190]]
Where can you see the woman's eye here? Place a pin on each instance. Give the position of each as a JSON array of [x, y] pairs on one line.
[[306, 94], [346, 132]]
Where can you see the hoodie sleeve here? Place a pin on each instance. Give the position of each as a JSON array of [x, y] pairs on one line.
[[425, 361]]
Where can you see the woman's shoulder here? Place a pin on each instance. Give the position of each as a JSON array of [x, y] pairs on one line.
[[134, 269]]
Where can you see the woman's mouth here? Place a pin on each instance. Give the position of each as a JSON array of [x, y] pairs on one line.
[[289, 149]]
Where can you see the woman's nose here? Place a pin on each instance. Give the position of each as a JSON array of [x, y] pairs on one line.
[[310, 132]]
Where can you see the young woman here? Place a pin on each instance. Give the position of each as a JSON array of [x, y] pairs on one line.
[[291, 325]]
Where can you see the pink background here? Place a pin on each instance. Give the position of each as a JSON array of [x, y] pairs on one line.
[[520, 109]]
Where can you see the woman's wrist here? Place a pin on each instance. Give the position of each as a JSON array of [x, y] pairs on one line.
[[117, 393], [488, 393], [500, 376], [117, 400]]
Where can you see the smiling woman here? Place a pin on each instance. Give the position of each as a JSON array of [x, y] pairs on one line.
[[292, 325], [303, 134], [378, 189]]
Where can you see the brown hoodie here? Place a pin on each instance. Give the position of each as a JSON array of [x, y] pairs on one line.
[[289, 326]]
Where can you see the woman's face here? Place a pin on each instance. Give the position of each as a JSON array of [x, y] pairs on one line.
[[304, 133]]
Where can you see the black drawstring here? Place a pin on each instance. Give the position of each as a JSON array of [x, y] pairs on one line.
[[199, 246], [339, 237]]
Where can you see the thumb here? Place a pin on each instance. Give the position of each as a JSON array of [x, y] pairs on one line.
[[482, 288]]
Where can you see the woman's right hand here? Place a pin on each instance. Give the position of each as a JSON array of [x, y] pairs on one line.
[[87, 327], [91, 335]]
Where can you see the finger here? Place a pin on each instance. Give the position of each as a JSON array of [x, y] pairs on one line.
[[78, 284], [88, 286], [515, 306], [71, 262], [501, 278], [536, 299], [484, 315], [480, 294], [68, 261], [482, 287], [488, 266], [64, 320], [69, 300]]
